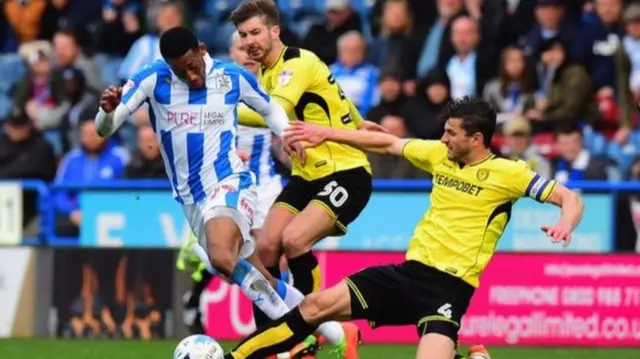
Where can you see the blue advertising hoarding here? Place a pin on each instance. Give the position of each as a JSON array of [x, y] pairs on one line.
[[154, 219]]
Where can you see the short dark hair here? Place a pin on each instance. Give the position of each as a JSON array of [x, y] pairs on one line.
[[476, 115], [568, 129], [176, 42], [252, 8]]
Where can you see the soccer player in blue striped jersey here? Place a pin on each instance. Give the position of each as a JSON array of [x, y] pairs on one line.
[[192, 102]]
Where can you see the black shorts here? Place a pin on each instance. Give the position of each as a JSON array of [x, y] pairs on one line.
[[342, 194], [410, 293]]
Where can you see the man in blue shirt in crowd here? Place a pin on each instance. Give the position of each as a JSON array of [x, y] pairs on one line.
[[96, 160]]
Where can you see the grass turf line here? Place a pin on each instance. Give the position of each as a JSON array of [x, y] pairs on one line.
[[162, 349]]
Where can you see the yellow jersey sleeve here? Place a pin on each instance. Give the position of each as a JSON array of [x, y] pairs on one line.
[[294, 79], [424, 154], [355, 114], [250, 118], [524, 182]]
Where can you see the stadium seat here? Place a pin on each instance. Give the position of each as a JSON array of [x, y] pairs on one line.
[[622, 155], [595, 142], [12, 70], [546, 143]]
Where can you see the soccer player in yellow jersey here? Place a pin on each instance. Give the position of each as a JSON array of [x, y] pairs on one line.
[[473, 191], [334, 185]]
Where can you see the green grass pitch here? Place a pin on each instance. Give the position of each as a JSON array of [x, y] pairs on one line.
[[106, 349]]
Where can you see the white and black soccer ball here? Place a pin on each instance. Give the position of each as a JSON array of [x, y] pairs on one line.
[[198, 347]]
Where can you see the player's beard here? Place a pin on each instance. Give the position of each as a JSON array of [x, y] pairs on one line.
[[264, 51]]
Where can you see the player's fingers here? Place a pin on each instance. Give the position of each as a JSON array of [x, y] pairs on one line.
[[544, 228]]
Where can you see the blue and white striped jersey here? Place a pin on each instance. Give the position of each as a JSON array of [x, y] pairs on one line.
[[196, 128], [257, 143]]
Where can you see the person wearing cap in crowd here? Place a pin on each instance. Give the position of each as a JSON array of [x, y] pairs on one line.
[[631, 42], [517, 132], [322, 38], [25, 154], [550, 23]]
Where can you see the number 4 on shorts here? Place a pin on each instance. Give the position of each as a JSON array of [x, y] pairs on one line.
[[445, 311]]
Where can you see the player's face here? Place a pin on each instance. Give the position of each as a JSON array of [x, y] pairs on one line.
[[190, 68], [239, 55], [257, 37], [459, 143]]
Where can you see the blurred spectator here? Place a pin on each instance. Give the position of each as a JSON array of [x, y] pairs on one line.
[[512, 93], [632, 243], [565, 91], [549, 24], [470, 67], [94, 161], [68, 54], [396, 49], [391, 97], [41, 93], [518, 21], [81, 16], [437, 47], [631, 43], [356, 77], [12, 72], [517, 145], [146, 162], [322, 38], [422, 111], [24, 17], [146, 49], [119, 28], [599, 50], [82, 101], [576, 162], [391, 166], [25, 154]]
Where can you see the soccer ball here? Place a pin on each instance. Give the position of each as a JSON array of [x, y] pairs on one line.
[[198, 347]]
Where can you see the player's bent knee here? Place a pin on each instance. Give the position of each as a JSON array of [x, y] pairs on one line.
[[269, 248], [294, 242], [435, 346], [331, 304]]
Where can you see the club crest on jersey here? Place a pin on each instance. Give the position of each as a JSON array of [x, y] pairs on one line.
[[127, 86], [482, 174], [221, 83], [284, 77]]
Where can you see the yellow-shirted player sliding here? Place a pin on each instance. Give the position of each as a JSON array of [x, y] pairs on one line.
[[333, 186], [473, 191]]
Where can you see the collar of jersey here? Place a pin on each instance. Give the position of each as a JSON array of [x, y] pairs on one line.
[[284, 48], [208, 63], [489, 156]]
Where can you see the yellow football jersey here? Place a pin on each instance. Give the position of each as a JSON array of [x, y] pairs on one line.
[[470, 208], [300, 78]]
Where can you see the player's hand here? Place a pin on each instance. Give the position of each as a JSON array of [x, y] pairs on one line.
[[558, 233], [295, 148], [110, 98], [311, 135], [372, 126]]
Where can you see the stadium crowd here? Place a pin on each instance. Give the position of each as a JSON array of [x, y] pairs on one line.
[[564, 76]]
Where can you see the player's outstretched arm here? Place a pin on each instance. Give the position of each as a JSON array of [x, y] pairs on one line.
[[375, 142], [112, 114], [572, 207]]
